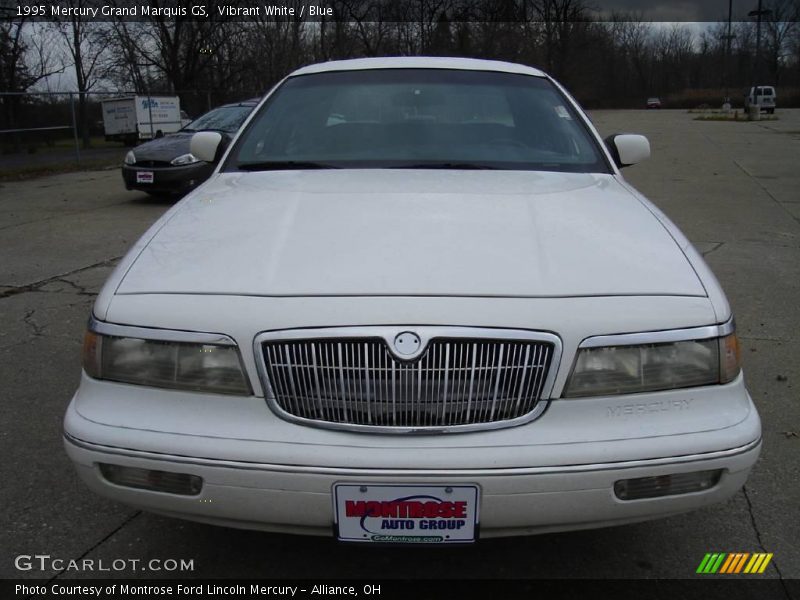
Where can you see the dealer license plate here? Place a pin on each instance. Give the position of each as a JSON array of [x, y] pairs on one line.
[[144, 177], [410, 514]]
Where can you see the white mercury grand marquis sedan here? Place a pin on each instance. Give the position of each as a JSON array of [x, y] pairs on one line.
[[416, 302]]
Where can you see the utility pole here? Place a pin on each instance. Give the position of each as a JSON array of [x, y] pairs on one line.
[[758, 13], [726, 63]]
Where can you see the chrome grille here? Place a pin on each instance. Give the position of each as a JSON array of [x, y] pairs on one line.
[[454, 382]]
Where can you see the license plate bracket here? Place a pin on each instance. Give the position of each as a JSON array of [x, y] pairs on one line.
[[406, 513]]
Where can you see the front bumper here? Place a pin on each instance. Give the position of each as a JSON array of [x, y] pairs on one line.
[[289, 499], [172, 180], [527, 486]]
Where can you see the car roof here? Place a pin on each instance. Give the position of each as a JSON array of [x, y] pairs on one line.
[[418, 62]]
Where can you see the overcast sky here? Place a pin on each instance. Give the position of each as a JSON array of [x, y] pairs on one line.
[[678, 10], [697, 12]]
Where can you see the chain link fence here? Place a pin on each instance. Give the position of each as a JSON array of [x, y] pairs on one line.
[[68, 126]]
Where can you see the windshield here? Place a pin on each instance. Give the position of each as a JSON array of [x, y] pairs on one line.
[[225, 118], [417, 118]]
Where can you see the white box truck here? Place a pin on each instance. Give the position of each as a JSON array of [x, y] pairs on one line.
[[135, 118]]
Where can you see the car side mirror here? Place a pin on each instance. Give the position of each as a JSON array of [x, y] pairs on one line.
[[627, 148], [204, 145]]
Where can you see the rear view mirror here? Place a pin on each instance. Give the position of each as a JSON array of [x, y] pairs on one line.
[[627, 148], [204, 145]]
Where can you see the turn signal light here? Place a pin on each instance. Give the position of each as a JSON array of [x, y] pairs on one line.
[[666, 485], [156, 481], [730, 358]]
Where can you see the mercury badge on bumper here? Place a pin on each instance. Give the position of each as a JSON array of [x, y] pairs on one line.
[[416, 302]]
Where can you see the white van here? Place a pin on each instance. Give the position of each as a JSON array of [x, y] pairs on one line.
[[762, 95], [129, 119]]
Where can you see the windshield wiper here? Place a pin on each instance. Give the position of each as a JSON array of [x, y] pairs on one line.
[[446, 165], [281, 165]]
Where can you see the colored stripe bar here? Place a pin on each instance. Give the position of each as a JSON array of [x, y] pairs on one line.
[[734, 563], [731, 563], [737, 568], [765, 563], [715, 567], [703, 563], [754, 562], [732, 558], [710, 564]]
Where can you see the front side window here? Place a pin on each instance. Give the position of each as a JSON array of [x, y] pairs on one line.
[[417, 118]]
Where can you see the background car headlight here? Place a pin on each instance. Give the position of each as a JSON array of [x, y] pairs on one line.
[[130, 158], [165, 364], [185, 159], [611, 370]]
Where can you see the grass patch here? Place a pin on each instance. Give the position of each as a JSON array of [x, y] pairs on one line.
[[732, 117], [35, 171], [714, 111], [69, 144], [61, 144]]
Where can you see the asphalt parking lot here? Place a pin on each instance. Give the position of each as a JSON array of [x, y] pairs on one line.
[[731, 187]]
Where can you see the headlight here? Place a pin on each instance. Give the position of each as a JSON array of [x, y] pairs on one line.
[[165, 364], [611, 370], [130, 158], [185, 159]]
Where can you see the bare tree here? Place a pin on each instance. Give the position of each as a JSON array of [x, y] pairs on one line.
[[26, 59], [125, 68], [275, 47], [84, 43], [370, 24], [780, 28], [560, 19], [673, 49], [632, 37]]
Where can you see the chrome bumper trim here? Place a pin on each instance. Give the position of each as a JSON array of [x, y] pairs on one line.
[[357, 472]]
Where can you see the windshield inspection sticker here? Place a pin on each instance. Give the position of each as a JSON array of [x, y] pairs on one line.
[[563, 112], [416, 514]]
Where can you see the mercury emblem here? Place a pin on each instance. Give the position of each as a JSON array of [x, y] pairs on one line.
[[407, 343]]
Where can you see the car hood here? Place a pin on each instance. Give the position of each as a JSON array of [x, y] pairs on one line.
[[412, 232], [164, 148]]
